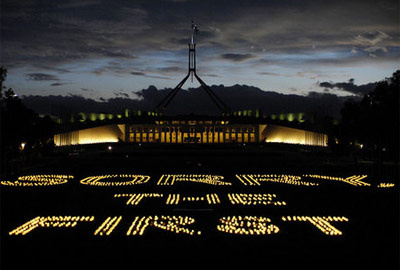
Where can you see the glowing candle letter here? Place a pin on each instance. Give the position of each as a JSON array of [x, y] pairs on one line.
[[168, 223], [136, 198], [247, 225], [108, 226], [322, 223], [51, 221]]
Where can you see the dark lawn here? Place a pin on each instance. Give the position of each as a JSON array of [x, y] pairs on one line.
[[371, 236]]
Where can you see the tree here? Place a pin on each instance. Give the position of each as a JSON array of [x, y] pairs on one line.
[[20, 128], [374, 121]]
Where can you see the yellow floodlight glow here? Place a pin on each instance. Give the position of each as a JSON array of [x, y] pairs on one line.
[[280, 134], [103, 134]]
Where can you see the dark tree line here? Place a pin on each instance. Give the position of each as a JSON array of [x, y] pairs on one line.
[[24, 134], [372, 124]]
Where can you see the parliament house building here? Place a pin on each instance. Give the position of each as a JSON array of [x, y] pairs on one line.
[[155, 128]]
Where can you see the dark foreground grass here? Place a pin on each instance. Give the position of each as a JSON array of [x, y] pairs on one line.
[[370, 237]]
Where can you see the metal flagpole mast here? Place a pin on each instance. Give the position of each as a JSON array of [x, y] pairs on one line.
[[192, 73]]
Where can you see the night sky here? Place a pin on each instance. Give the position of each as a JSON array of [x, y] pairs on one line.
[[103, 49]]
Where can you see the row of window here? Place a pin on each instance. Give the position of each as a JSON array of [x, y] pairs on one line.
[[198, 138], [191, 122], [191, 129]]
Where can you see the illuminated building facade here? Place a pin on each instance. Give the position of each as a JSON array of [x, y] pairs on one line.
[[227, 128], [192, 131], [183, 131]]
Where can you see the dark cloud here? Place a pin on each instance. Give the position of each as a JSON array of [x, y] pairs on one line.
[[60, 33], [211, 75], [87, 90], [158, 77], [373, 43], [52, 69], [41, 77], [137, 73], [121, 93], [126, 38], [236, 57], [114, 67], [269, 73], [57, 84], [171, 69], [349, 86], [371, 38]]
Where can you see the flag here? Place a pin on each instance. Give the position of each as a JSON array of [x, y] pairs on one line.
[[194, 27]]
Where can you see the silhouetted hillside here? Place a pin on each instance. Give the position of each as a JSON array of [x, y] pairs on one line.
[[194, 100]]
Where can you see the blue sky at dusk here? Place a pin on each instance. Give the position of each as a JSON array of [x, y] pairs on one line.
[[98, 49]]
